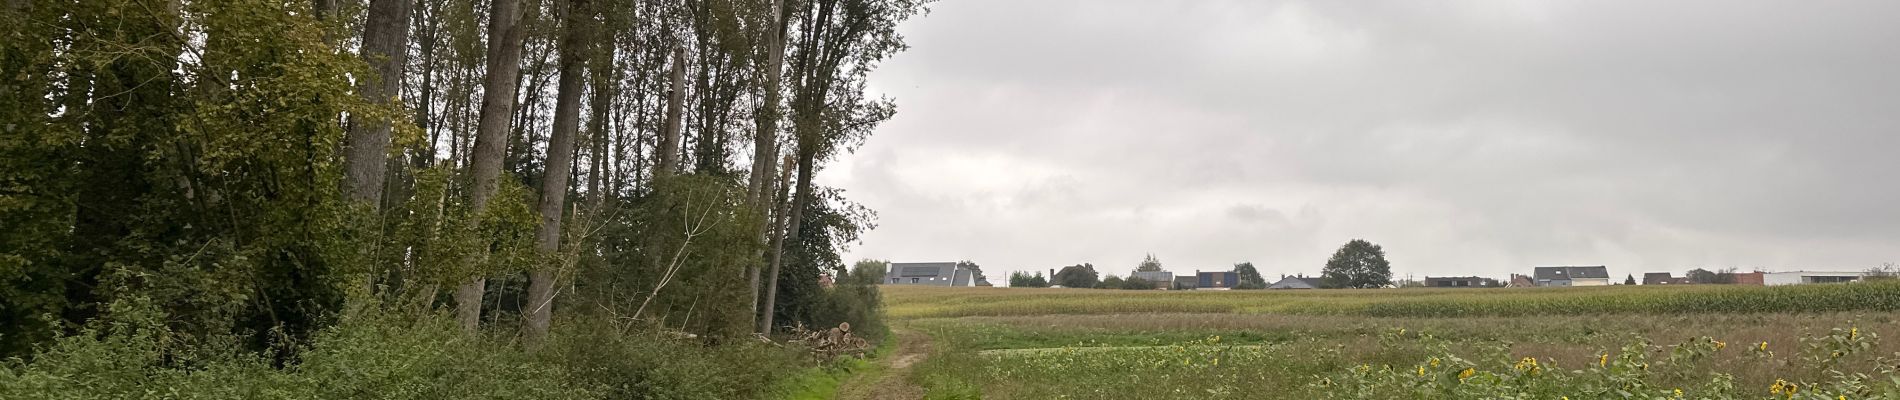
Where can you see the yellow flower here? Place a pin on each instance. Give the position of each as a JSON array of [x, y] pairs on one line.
[[1603, 360], [1434, 362], [1763, 346], [1720, 344], [1421, 370], [1466, 374], [1678, 393], [1853, 333]]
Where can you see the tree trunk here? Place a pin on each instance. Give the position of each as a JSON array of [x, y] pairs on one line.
[[765, 142], [425, 19], [385, 48], [560, 160], [498, 101], [601, 106], [778, 250], [668, 151]]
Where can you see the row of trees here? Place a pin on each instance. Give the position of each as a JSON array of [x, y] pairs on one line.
[[252, 166], [1357, 264]]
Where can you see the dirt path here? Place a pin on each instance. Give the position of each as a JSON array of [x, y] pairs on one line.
[[891, 380]]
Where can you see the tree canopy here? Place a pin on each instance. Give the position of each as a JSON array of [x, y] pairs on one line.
[[1249, 277], [1358, 264], [1027, 280], [1076, 276], [1149, 264]]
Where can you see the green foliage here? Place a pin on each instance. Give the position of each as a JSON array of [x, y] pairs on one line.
[[868, 271], [135, 356], [639, 364], [169, 185], [1027, 280], [1110, 282], [390, 356], [1079, 276], [1133, 283], [1148, 264], [698, 226], [1249, 277], [1358, 264], [829, 223], [858, 304]]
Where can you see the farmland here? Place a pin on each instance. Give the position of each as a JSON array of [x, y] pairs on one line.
[[1797, 342]]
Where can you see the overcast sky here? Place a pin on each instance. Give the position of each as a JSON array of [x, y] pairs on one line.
[[1477, 137]]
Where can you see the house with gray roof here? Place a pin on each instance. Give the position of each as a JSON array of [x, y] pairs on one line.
[[930, 274], [1572, 276], [1297, 282]]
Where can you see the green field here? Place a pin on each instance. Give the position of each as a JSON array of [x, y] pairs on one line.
[[1718, 342]]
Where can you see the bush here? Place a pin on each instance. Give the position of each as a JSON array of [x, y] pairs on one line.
[[659, 365], [393, 356], [362, 357]]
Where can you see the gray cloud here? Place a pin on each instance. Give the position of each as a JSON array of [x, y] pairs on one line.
[[1467, 137]]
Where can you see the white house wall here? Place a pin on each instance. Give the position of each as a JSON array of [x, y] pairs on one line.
[[1798, 277]]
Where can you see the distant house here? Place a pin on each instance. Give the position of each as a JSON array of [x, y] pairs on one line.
[[1572, 276], [1161, 279], [1807, 277], [1460, 282], [1217, 280], [1296, 282], [1664, 278], [1185, 282], [1750, 278], [930, 274], [1522, 281]]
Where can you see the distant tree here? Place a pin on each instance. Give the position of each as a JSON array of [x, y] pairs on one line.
[[1019, 279], [1726, 276], [1110, 282], [1137, 284], [966, 264], [1887, 271], [1249, 277], [1631, 280], [1024, 279], [869, 271], [1149, 264], [1358, 264], [1076, 276], [1701, 276]]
